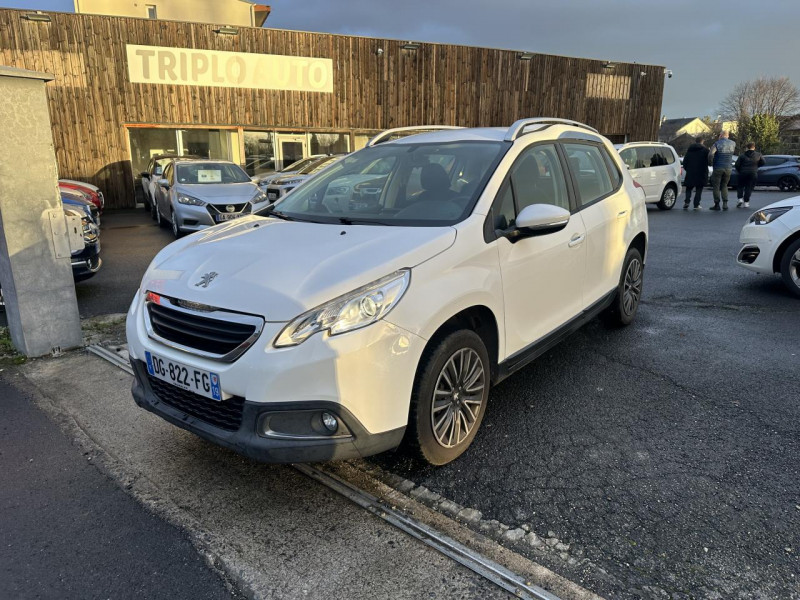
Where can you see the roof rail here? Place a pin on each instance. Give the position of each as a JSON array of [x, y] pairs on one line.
[[518, 127], [383, 135]]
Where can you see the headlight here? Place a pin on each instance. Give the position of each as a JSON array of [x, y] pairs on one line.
[[186, 199], [291, 181], [768, 215], [259, 197], [357, 309]]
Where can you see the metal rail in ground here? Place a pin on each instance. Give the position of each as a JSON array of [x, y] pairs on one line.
[[476, 562]]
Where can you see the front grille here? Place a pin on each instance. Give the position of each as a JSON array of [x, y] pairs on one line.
[[198, 332], [226, 415], [216, 209]]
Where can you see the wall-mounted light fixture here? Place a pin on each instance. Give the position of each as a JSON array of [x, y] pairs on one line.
[[525, 55], [410, 46], [642, 73], [668, 73], [227, 30], [37, 16], [609, 65], [379, 51]]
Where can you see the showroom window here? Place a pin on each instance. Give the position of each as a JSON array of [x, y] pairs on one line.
[[329, 143], [146, 142], [259, 152]]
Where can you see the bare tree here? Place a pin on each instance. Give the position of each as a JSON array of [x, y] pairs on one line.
[[774, 96]]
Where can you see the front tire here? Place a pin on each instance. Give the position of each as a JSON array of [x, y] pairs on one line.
[[790, 267], [668, 198], [176, 230], [449, 399], [629, 291], [787, 184]]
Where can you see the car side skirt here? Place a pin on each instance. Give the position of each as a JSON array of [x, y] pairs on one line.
[[527, 355]]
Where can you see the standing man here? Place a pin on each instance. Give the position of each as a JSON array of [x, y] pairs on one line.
[[721, 157], [695, 163], [747, 168]]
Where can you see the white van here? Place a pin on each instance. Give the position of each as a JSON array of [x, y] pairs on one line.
[[656, 168]]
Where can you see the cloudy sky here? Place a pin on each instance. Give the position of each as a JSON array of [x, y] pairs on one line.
[[710, 45]]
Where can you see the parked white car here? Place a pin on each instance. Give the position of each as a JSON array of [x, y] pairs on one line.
[[280, 186], [656, 167], [328, 331], [771, 242]]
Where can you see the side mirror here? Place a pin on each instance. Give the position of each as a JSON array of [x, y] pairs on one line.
[[540, 219], [163, 183]]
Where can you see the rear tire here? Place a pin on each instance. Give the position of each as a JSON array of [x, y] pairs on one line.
[[449, 398], [629, 291], [790, 267], [668, 198]]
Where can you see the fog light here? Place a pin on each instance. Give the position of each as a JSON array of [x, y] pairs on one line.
[[330, 422]]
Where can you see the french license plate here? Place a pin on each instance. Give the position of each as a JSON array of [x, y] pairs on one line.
[[272, 196], [227, 217], [194, 380]]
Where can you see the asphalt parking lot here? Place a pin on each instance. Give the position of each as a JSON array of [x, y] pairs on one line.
[[665, 454]]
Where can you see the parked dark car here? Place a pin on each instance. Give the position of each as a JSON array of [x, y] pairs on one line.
[[87, 262], [77, 199], [780, 170]]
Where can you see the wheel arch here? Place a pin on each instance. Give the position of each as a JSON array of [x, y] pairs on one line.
[[478, 318], [776, 259], [640, 243]]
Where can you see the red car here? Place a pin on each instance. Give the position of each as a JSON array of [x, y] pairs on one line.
[[93, 193]]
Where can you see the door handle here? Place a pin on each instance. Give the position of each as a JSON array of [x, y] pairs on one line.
[[622, 213], [576, 240]]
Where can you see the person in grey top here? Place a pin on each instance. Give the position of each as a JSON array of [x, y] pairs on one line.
[[721, 158]]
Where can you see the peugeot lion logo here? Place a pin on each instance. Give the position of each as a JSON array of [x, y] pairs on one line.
[[206, 279], [230, 208]]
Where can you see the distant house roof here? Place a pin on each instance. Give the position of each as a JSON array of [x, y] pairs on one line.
[[671, 128]]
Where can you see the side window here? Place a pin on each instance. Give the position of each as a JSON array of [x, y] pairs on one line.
[[629, 157], [644, 157], [537, 178], [613, 169], [659, 157], [669, 156], [168, 173], [594, 181], [772, 161]]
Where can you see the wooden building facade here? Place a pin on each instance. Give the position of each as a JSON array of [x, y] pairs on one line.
[[128, 88]]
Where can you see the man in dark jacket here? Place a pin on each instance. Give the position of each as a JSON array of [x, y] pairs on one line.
[[721, 156], [695, 163], [747, 167]]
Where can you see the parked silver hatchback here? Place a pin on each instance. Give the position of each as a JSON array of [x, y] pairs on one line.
[[195, 194], [655, 167]]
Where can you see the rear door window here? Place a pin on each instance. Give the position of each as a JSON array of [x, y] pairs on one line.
[[589, 171]]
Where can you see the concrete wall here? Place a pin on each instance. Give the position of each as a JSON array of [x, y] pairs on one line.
[[38, 288], [220, 12]]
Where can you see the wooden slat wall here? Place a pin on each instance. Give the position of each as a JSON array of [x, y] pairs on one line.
[[91, 99]]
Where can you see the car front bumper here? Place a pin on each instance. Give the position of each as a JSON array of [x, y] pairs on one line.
[[759, 244], [363, 378]]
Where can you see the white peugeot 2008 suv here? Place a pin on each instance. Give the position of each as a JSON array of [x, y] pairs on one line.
[[337, 327], [771, 242]]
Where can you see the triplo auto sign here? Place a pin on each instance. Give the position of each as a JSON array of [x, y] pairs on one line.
[[187, 66]]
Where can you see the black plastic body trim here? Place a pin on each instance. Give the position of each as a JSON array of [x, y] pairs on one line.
[[530, 353], [247, 442]]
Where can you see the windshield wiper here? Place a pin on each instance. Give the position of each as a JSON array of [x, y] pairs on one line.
[[349, 221]]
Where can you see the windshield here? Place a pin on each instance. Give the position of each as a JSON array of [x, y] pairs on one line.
[[317, 165], [210, 172], [397, 184], [297, 165]]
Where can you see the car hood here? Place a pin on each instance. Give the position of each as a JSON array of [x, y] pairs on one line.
[[793, 201], [273, 176], [217, 193], [280, 269]]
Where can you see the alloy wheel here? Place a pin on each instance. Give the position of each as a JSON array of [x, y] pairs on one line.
[[794, 268], [458, 397], [669, 198], [632, 286], [175, 230]]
